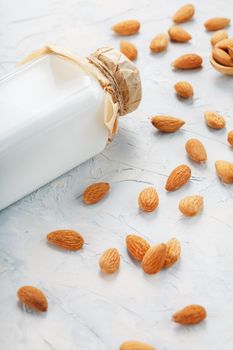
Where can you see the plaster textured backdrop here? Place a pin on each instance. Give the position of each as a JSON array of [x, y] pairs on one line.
[[88, 311]]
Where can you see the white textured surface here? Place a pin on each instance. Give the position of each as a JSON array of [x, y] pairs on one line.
[[88, 311]]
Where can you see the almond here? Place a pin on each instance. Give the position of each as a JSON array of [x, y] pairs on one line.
[[154, 259], [128, 27], [135, 345], [188, 61], [230, 137], [191, 314], [137, 246], [196, 150], [184, 14], [225, 171], [218, 36], [129, 50], [148, 199], [95, 192], [159, 43], [66, 239], [166, 123], [179, 34], [214, 120], [178, 177], [222, 57], [184, 89], [230, 51], [172, 253], [224, 44], [109, 261], [33, 298], [191, 205], [216, 23]]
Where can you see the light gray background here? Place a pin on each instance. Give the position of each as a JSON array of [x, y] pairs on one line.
[[88, 311]]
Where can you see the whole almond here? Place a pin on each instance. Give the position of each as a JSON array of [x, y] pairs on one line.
[[33, 298], [172, 253], [188, 61], [179, 34], [196, 150], [184, 14], [154, 259], [184, 89], [95, 192], [137, 246], [191, 205], [178, 177], [230, 51], [225, 171], [230, 137], [166, 123], [148, 199], [128, 49], [222, 57], [225, 43], [159, 43], [135, 345], [109, 261], [66, 239], [218, 36], [217, 23], [128, 27], [214, 120], [191, 314]]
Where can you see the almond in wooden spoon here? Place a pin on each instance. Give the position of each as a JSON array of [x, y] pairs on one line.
[[219, 36]]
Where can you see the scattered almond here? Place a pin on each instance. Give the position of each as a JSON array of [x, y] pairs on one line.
[[148, 199], [128, 49], [230, 137], [184, 89], [191, 205], [66, 239], [159, 43], [222, 57], [191, 314], [137, 246], [179, 34], [217, 23], [224, 44], [196, 150], [166, 123], [109, 261], [178, 177], [95, 192], [214, 120], [33, 298], [225, 171], [172, 253], [184, 14], [128, 27], [135, 345], [188, 61], [154, 259], [218, 36]]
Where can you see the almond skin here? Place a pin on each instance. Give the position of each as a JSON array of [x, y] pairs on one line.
[[154, 259], [135, 345], [184, 14], [178, 177], [128, 49], [148, 199], [214, 120], [66, 239], [184, 89], [172, 253], [218, 36], [166, 123], [128, 27], [225, 43], [222, 57], [95, 192], [159, 43], [230, 137], [196, 150], [33, 298], [225, 171], [137, 246], [191, 205], [188, 61], [191, 314], [109, 261], [179, 34], [217, 23]]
